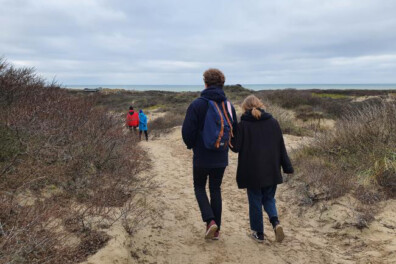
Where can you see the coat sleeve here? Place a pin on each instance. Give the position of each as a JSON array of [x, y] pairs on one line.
[[238, 138], [285, 161], [234, 129], [190, 128], [234, 119]]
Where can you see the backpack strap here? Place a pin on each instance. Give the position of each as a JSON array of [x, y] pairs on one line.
[[226, 116], [217, 144], [229, 108], [229, 123]]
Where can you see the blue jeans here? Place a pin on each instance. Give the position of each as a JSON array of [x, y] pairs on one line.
[[257, 199]]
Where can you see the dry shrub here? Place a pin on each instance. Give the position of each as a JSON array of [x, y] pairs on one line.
[[90, 243], [294, 99], [66, 168], [364, 216], [359, 155], [119, 102], [166, 122], [236, 93], [290, 98], [306, 112], [174, 116], [325, 180], [174, 104], [285, 118]]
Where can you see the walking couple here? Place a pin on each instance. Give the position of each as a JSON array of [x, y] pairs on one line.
[[210, 128]]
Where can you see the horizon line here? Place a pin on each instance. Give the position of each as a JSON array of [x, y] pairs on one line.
[[241, 84]]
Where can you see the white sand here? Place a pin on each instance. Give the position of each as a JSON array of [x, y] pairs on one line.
[[318, 234]]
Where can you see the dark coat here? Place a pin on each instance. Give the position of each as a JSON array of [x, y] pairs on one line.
[[193, 127], [262, 152]]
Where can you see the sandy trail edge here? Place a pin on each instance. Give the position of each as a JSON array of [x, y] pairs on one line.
[[313, 235]]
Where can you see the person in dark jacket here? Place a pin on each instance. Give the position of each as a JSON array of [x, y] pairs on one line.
[[262, 153], [207, 163]]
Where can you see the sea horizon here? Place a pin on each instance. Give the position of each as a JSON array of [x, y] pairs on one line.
[[256, 87]]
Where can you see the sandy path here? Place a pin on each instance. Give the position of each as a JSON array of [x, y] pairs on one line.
[[177, 235]]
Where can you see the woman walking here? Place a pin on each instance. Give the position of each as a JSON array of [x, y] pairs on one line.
[[142, 125], [262, 153]]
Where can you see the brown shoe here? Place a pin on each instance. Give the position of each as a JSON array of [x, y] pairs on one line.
[[279, 235]]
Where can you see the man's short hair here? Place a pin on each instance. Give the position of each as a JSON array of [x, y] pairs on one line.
[[214, 77], [131, 107]]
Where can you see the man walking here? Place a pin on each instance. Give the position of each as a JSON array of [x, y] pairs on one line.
[[208, 130]]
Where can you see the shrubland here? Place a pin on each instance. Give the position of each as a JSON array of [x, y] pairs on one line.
[[289, 106], [172, 104], [328, 103], [357, 157], [68, 171]]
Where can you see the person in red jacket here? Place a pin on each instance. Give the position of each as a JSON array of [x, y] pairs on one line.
[[132, 119]]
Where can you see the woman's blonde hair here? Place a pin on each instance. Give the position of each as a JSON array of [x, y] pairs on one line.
[[253, 103]]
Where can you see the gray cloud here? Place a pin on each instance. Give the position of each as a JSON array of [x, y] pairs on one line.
[[173, 42]]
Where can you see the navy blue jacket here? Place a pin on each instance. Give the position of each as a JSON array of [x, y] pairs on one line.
[[193, 127]]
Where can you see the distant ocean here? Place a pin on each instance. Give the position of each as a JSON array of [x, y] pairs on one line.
[[256, 87]]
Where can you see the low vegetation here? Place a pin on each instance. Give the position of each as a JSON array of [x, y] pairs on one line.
[[327, 103], [286, 119], [68, 171], [357, 157], [330, 95], [173, 104], [289, 106]]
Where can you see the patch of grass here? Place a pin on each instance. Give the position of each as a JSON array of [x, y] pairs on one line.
[[331, 95], [155, 107], [146, 100]]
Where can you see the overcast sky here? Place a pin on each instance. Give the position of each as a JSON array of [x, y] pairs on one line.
[[174, 41]]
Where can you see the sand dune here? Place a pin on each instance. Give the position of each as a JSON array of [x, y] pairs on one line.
[[316, 234]]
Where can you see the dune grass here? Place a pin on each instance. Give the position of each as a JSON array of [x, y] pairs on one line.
[[358, 156]]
